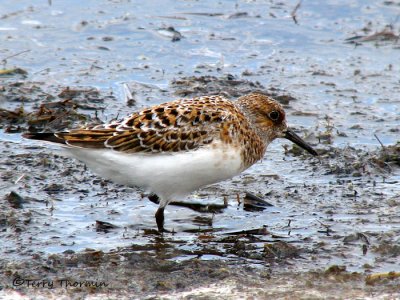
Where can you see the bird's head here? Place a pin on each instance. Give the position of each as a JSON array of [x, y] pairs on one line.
[[269, 120]]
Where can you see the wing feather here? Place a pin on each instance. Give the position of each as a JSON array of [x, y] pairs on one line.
[[175, 126]]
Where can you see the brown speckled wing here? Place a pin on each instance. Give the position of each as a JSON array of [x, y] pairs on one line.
[[170, 127]]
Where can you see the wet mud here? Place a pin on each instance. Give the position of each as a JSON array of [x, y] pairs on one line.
[[292, 226]]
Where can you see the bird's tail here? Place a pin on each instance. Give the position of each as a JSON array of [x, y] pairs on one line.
[[43, 136]]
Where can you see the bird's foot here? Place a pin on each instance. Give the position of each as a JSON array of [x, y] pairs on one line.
[[163, 230]]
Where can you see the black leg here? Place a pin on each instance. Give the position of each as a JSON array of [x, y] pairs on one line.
[[160, 219]]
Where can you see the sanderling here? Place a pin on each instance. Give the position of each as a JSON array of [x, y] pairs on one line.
[[174, 148]]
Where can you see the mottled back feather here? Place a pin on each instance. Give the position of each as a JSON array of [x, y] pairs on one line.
[[175, 126]]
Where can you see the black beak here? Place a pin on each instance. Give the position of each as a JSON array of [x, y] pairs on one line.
[[291, 136]]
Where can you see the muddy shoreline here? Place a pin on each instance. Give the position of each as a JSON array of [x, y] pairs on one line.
[[165, 266]]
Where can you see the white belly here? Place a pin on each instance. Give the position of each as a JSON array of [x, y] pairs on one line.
[[170, 175]]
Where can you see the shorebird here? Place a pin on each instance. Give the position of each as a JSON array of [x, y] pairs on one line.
[[174, 148]]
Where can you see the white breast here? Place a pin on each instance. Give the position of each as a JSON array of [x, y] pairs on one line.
[[170, 175]]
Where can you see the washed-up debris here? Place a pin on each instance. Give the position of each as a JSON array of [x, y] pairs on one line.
[[254, 203], [55, 116], [204, 14], [55, 113], [295, 150], [15, 200], [84, 98], [256, 231], [386, 35], [199, 207], [103, 48], [293, 14], [202, 221], [136, 92], [70, 93], [227, 85], [387, 248], [283, 99], [128, 95], [171, 33], [381, 277], [359, 236], [4, 60], [281, 250], [247, 246], [335, 270], [15, 71], [355, 162], [12, 71], [327, 229], [389, 154], [92, 257], [12, 117], [102, 226], [238, 15], [54, 188]]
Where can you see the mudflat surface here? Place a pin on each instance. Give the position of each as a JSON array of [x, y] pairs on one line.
[[334, 225]]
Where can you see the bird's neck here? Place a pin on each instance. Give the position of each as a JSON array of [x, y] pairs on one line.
[[247, 108]]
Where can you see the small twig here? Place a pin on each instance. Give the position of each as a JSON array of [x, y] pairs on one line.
[[130, 101], [328, 228], [293, 13], [238, 199], [19, 178], [383, 147], [127, 91], [384, 151], [46, 69], [225, 201], [4, 60]]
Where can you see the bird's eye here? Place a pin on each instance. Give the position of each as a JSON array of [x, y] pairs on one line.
[[274, 115]]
